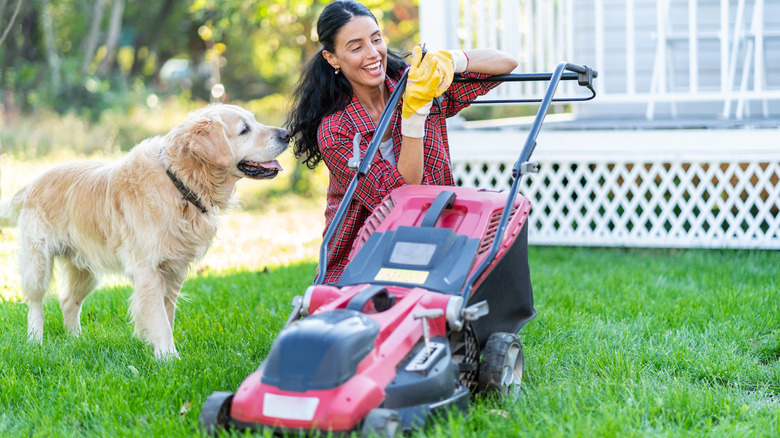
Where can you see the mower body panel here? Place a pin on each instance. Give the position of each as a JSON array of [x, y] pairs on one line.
[[362, 344], [320, 375], [473, 217]]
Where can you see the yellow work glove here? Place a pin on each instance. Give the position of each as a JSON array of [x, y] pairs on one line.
[[458, 58], [428, 78], [422, 83], [448, 62]]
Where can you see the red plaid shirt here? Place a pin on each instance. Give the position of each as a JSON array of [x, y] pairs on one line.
[[335, 135]]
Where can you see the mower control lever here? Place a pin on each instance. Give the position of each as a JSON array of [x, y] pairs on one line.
[[475, 311], [424, 315], [354, 162]]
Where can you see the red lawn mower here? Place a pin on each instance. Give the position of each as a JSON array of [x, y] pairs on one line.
[[426, 312]]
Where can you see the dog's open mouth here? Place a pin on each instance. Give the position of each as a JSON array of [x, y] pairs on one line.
[[260, 170]]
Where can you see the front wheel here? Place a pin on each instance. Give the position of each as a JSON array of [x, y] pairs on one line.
[[501, 365], [381, 423], [215, 413]]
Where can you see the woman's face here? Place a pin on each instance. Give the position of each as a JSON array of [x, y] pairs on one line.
[[361, 53]]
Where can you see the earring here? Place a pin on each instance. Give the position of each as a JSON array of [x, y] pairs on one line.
[[337, 71]]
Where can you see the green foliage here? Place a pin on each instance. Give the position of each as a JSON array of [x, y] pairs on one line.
[[116, 129], [253, 48], [673, 343]]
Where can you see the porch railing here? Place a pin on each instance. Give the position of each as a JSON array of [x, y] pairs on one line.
[[708, 61], [656, 58]]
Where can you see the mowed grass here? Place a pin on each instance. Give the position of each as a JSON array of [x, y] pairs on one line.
[[627, 342], [106, 382]]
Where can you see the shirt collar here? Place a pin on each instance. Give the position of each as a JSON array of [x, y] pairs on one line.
[[356, 110]]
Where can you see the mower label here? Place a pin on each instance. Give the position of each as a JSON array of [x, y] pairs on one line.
[[290, 408], [401, 275]]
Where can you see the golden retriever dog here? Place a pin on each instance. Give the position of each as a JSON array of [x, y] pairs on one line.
[[150, 216]]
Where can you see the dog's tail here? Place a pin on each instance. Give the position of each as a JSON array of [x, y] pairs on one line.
[[10, 209]]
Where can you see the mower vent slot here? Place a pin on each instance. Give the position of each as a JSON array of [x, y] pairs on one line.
[[490, 232], [372, 223]]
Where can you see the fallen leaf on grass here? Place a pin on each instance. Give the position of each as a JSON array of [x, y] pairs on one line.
[[184, 409], [504, 414]]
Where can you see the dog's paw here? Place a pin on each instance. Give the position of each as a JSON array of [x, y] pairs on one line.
[[166, 354], [35, 323], [35, 337], [34, 334], [74, 331]]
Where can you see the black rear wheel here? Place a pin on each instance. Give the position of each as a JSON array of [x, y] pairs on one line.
[[501, 366], [215, 413]]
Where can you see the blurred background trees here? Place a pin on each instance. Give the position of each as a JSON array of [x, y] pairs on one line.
[[89, 56]]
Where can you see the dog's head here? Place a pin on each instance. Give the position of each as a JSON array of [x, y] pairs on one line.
[[229, 137]]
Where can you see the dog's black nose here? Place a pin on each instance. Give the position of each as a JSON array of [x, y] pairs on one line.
[[284, 135]]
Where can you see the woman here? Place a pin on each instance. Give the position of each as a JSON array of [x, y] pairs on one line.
[[343, 91]]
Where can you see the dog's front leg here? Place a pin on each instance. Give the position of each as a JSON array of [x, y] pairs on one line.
[[174, 276], [170, 309], [147, 307]]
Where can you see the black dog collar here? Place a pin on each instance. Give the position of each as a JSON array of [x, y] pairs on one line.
[[183, 189]]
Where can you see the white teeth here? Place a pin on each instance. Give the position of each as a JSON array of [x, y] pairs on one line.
[[373, 67]]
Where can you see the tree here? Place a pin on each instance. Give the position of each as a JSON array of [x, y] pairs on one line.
[[92, 36], [68, 55], [112, 39], [148, 37], [52, 56], [271, 41], [11, 21]]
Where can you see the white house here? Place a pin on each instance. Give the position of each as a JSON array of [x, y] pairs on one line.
[[681, 146]]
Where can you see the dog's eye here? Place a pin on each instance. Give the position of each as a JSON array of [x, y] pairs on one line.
[[245, 130]]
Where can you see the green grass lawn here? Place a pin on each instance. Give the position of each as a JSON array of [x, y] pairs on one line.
[[625, 343]]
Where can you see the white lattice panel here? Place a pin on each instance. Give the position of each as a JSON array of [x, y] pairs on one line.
[[714, 197]]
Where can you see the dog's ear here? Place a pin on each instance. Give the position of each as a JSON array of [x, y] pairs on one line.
[[209, 141]]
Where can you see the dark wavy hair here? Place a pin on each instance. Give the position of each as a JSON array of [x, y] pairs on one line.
[[319, 91]]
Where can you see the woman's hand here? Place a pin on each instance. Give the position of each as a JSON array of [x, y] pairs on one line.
[[429, 76]]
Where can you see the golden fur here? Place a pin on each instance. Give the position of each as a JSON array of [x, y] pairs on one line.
[[129, 217]]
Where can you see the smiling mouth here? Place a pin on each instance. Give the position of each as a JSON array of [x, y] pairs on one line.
[[375, 68], [256, 170]]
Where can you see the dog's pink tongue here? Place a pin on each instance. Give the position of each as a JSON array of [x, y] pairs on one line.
[[271, 165]]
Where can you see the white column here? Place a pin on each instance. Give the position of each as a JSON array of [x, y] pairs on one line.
[[433, 23]]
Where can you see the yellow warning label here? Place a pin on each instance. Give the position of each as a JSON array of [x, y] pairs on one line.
[[402, 275]]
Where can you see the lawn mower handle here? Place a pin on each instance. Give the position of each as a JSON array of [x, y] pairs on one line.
[[585, 78], [581, 73]]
